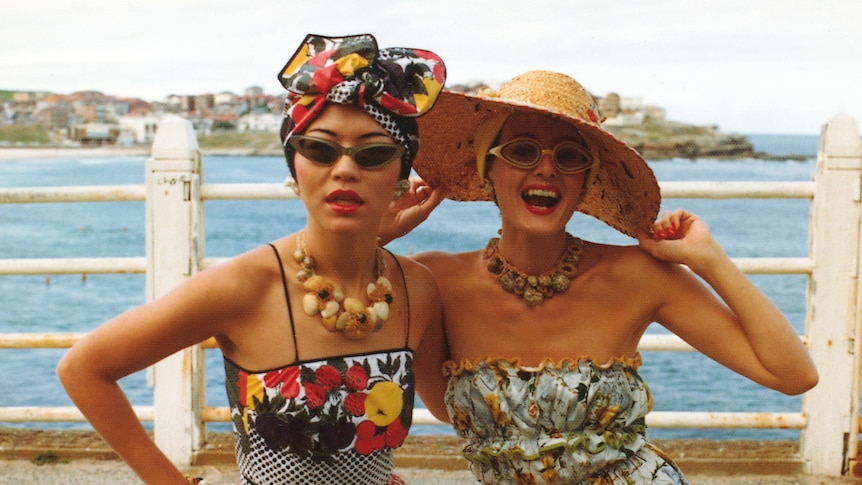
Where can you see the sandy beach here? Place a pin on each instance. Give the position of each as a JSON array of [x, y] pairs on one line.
[[7, 154]]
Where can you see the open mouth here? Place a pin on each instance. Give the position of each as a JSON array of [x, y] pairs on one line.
[[543, 198], [344, 198], [342, 201]]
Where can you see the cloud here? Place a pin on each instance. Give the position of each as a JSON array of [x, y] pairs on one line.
[[747, 65]]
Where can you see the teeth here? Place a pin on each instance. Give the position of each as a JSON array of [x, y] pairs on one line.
[[541, 193]]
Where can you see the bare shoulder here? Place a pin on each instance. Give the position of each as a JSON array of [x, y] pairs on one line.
[[623, 263], [440, 262], [414, 271], [238, 281]]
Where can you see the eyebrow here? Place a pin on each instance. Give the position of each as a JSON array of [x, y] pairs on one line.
[[364, 136]]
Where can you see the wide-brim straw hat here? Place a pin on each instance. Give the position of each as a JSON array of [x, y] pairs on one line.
[[621, 191]]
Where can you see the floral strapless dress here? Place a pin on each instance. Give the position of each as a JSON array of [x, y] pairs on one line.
[[334, 421], [572, 422]]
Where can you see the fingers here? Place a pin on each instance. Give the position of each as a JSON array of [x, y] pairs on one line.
[[431, 196], [667, 226]]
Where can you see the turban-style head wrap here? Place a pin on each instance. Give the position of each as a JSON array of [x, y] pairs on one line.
[[393, 85]]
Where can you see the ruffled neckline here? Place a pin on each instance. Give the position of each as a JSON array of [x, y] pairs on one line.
[[452, 368]]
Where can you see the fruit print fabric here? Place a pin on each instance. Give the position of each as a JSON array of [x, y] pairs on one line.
[[322, 419]]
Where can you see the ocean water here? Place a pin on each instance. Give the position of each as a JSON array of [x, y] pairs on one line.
[[73, 303]]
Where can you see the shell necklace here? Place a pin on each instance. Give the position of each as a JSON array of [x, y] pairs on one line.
[[534, 289], [347, 315]]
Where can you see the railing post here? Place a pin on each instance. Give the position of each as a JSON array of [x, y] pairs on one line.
[[175, 239], [828, 441]]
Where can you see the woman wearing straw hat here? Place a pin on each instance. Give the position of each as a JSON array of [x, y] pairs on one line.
[[318, 328], [541, 328]]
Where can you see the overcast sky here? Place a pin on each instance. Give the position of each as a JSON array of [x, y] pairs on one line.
[[749, 66]]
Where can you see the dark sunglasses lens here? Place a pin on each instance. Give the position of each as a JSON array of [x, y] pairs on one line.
[[524, 152], [571, 157], [317, 150], [376, 155]]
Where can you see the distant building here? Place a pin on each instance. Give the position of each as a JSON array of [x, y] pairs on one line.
[[94, 134], [259, 121], [142, 128], [621, 110]]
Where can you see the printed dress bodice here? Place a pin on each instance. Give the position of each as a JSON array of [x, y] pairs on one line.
[[560, 422], [330, 421]]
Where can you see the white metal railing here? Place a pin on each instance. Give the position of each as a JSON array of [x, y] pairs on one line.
[[829, 418]]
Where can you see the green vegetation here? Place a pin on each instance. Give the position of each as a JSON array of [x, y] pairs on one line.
[[47, 457], [24, 134], [6, 95], [256, 141]]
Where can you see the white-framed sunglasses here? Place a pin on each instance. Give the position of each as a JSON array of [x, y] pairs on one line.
[[569, 157]]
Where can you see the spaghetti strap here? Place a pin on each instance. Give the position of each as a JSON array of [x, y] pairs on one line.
[[406, 296], [287, 298]]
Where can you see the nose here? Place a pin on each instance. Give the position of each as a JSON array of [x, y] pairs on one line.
[[345, 167], [546, 161]]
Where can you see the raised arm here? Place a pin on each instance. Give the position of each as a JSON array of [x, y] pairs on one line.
[[406, 213], [747, 333]]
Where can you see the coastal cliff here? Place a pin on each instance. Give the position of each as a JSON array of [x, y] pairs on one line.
[[645, 128], [661, 139]]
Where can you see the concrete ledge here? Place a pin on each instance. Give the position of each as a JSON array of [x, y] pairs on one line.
[[439, 452]]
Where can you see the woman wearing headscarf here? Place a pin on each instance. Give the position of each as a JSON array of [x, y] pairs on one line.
[[317, 328], [541, 328]]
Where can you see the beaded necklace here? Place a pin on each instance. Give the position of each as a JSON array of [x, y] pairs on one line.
[[337, 313], [534, 289]]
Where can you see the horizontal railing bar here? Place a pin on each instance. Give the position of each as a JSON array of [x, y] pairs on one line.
[[655, 419], [39, 340], [72, 266], [262, 191], [737, 190], [775, 265], [255, 191], [84, 193], [59, 340], [747, 265], [59, 414], [139, 265], [717, 420]]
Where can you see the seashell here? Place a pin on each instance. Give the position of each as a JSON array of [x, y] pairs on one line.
[[532, 281], [569, 269], [507, 281], [309, 304], [384, 283], [533, 297], [314, 283], [544, 280], [559, 283], [353, 305], [520, 283], [330, 322], [337, 294], [298, 255], [380, 310], [330, 309], [301, 276], [495, 265], [341, 322]]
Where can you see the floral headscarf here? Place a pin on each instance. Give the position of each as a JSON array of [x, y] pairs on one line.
[[393, 85]]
